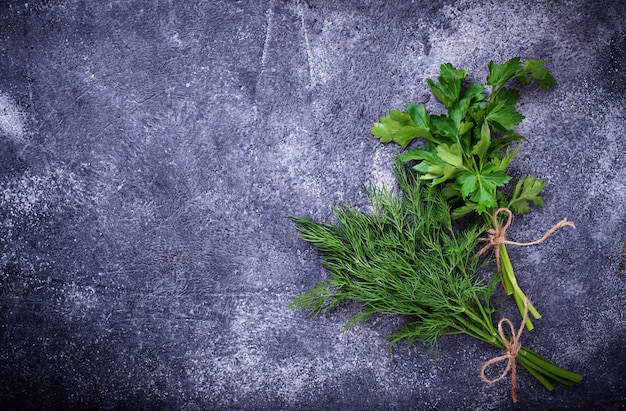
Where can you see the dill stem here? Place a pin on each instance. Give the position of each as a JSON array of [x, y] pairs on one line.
[[486, 317], [472, 329]]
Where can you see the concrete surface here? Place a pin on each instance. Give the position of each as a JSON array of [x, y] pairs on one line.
[[151, 151]]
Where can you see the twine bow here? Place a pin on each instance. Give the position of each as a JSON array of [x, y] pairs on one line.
[[497, 235], [511, 350]]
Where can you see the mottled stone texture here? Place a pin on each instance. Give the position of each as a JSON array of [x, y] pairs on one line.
[[151, 151]]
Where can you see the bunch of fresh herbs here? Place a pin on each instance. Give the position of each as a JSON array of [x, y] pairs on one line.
[[405, 257]]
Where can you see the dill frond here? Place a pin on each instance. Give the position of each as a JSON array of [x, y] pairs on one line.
[[405, 258]]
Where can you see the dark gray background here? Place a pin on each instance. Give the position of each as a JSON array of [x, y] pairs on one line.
[[150, 153]]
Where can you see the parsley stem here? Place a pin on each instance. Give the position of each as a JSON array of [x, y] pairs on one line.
[[512, 287], [549, 367], [472, 330]]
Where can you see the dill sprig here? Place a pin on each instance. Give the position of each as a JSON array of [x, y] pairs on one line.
[[405, 258]]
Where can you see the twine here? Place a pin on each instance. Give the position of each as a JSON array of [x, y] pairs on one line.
[[497, 235], [511, 350]]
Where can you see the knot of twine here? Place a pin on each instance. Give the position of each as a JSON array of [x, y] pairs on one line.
[[511, 350], [497, 235]]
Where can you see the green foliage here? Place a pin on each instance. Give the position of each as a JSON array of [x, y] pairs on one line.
[[448, 89], [403, 258], [469, 149], [401, 127], [526, 190]]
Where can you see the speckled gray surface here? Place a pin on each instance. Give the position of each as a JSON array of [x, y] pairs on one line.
[[151, 151]]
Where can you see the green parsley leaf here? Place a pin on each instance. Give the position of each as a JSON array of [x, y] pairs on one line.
[[501, 73], [526, 190], [431, 167], [507, 96], [481, 188], [452, 155], [536, 70], [419, 115], [468, 182], [481, 148], [475, 93], [445, 126], [448, 89], [399, 128], [463, 210], [503, 116], [502, 162]]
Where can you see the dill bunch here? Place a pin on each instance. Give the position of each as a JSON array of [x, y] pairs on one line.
[[404, 258]]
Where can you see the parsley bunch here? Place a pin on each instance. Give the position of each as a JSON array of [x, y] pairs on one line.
[[405, 258], [467, 151]]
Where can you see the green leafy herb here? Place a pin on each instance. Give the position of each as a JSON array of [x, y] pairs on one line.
[[405, 258], [468, 150], [526, 190]]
